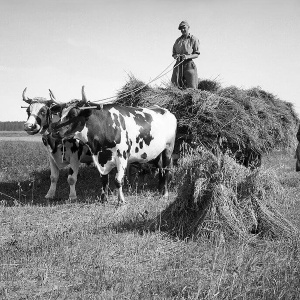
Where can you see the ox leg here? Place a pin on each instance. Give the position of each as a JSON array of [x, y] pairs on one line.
[[121, 167], [53, 178], [104, 189], [164, 172], [72, 179]]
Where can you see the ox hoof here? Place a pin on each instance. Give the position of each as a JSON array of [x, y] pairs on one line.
[[49, 197], [121, 203], [102, 199], [72, 199]]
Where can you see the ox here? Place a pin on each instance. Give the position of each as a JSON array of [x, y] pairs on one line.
[[61, 154], [120, 135]]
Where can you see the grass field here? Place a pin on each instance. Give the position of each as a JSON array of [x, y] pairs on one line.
[[87, 250], [18, 136]]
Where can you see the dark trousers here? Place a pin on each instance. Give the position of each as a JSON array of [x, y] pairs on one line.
[[185, 75]]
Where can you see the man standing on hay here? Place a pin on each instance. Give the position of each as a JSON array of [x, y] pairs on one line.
[[185, 49], [298, 151]]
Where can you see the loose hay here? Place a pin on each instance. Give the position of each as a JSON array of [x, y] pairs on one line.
[[209, 85], [248, 122], [217, 195]]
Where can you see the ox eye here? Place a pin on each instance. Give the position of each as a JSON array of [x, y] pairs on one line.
[[72, 113]]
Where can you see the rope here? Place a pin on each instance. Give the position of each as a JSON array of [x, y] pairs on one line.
[[63, 150], [125, 94], [107, 100], [180, 74]]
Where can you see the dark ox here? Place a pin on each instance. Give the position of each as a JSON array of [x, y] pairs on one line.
[[61, 154], [120, 135]]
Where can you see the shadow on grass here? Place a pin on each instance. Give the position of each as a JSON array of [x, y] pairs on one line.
[[33, 191], [138, 223], [176, 221], [88, 187]]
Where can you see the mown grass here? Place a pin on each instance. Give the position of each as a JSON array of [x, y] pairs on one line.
[[18, 136], [86, 250], [12, 134]]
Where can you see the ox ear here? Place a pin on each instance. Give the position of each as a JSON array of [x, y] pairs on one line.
[[57, 108], [25, 98]]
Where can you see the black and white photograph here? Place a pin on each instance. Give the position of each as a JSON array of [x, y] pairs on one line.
[[149, 149]]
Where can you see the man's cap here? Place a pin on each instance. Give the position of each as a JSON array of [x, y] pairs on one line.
[[183, 24]]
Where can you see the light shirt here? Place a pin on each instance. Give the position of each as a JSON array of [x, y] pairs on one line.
[[188, 45]]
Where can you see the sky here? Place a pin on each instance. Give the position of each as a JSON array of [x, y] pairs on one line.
[[64, 44]]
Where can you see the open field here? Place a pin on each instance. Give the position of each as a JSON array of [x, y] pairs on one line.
[[87, 250], [18, 136]]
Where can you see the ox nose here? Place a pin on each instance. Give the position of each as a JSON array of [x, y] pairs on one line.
[[29, 126]]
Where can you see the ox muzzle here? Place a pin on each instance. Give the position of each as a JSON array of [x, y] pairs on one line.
[[31, 128]]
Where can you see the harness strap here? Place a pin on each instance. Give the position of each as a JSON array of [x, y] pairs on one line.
[[91, 105], [72, 120], [48, 117], [63, 150]]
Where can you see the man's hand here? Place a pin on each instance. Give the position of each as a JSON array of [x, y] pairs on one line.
[[184, 56]]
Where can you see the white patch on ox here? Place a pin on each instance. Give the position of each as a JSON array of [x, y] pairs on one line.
[[82, 135], [34, 112], [65, 113], [162, 133], [32, 121]]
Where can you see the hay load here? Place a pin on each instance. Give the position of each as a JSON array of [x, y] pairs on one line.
[[248, 123], [216, 195]]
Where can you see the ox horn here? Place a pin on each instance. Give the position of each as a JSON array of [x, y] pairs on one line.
[[25, 98], [52, 97], [83, 95]]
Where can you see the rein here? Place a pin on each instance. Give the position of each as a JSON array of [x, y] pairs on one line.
[[75, 119], [48, 121], [180, 72], [72, 120], [94, 105], [125, 94]]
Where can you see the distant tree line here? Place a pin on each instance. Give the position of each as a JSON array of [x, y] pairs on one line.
[[12, 126]]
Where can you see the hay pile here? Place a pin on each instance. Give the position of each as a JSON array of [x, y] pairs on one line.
[[236, 119], [217, 195]]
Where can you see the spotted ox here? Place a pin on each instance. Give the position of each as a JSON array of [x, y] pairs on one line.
[[120, 135], [61, 154]]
